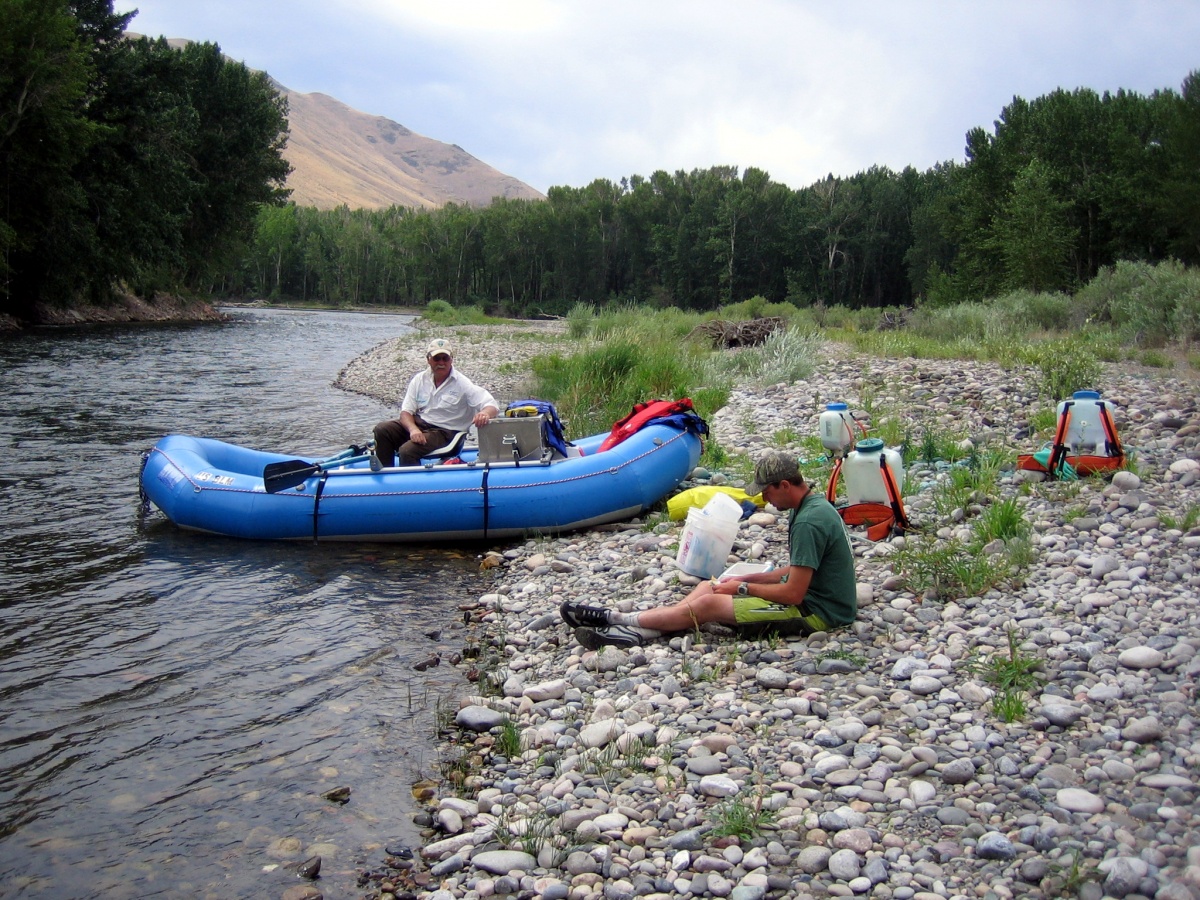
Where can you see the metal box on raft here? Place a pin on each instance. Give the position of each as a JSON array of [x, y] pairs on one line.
[[506, 439]]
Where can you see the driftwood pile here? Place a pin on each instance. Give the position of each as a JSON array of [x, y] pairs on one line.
[[739, 334], [895, 318]]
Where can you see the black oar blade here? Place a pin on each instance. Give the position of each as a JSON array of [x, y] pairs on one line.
[[282, 475]]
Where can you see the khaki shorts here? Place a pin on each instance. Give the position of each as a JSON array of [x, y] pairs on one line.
[[754, 611]]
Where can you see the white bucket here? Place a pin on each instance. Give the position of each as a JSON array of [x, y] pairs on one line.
[[705, 544], [836, 427], [723, 507], [864, 477], [1085, 431]]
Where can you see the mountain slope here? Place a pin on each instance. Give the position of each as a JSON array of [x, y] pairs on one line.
[[342, 156]]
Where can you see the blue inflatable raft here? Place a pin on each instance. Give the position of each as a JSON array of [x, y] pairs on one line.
[[211, 486]]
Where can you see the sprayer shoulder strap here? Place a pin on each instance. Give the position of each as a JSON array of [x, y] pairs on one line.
[[831, 488], [1058, 454], [1112, 443], [893, 489]]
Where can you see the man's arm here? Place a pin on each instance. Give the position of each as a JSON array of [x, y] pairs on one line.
[[789, 592], [415, 434]]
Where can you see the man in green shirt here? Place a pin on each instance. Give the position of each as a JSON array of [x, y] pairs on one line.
[[816, 592]]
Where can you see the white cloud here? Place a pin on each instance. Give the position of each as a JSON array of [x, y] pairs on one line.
[[563, 92]]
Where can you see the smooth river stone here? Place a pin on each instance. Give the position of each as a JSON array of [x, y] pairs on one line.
[[1141, 658], [1079, 800]]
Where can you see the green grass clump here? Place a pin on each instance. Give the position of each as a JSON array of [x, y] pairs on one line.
[[580, 319], [1002, 521], [1185, 522], [758, 307], [441, 313], [950, 569], [741, 817], [600, 384], [855, 659], [1013, 677], [508, 742]]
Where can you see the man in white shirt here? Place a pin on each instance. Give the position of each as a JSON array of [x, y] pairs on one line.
[[440, 401]]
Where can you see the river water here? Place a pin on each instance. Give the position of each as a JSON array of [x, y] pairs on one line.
[[172, 705]]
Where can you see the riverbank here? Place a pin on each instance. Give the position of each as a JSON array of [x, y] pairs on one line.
[[124, 308], [869, 762]]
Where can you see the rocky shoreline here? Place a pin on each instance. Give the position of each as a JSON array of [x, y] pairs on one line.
[[868, 762]]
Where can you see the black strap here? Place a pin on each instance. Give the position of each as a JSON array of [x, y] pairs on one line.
[[1112, 444], [317, 501], [893, 489], [484, 488], [1059, 454]]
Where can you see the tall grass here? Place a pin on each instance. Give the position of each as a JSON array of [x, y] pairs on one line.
[[633, 354]]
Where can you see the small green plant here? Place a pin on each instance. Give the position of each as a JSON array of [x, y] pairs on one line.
[[1186, 522], [454, 770], [1132, 465], [1009, 706], [854, 659], [1013, 677], [1001, 520], [740, 816], [785, 436], [1070, 879], [508, 742], [532, 833], [1043, 422], [1071, 513], [1155, 359], [954, 490], [610, 764]]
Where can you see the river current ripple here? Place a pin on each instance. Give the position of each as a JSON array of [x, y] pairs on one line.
[[172, 705]]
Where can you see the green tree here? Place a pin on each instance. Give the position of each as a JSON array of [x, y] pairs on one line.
[[45, 76], [1178, 201], [1034, 234]]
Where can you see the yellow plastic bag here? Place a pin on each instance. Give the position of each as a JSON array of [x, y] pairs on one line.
[[678, 506]]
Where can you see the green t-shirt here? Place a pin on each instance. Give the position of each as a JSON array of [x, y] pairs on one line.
[[817, 538]]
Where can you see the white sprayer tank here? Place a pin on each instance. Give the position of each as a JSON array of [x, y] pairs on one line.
[[836, 427], [864, 475], [1085, 431]]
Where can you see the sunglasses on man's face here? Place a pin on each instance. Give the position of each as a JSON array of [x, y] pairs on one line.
[[440, 357]]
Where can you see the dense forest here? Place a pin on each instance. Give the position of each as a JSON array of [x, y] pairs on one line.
[[127, 164], [1062, 186], [124, 164]]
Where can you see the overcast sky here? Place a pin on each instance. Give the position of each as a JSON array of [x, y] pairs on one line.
[[561, 92]]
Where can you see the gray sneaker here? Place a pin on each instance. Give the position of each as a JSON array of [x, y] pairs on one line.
[[580, 615], [615, 636]]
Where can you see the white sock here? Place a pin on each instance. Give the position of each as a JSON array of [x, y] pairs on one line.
[[620, 618]]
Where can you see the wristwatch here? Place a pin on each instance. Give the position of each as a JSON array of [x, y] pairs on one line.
[[743, 589]]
